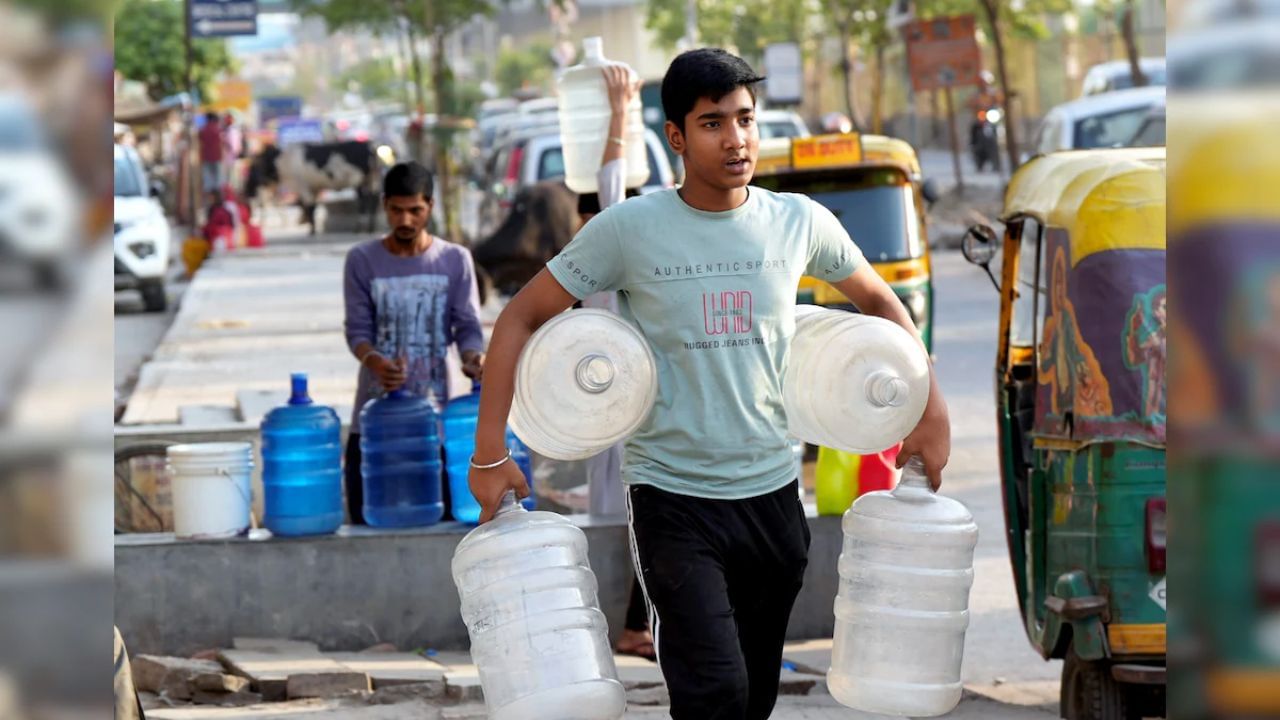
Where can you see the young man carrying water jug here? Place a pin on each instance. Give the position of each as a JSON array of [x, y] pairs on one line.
[[718, 532]]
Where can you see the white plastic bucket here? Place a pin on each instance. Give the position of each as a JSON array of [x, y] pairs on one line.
[[211, 489]]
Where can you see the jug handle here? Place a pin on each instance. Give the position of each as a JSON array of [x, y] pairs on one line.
[[914, 477], [509, 504]]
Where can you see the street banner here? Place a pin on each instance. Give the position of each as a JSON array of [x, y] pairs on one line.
[[942, 52]]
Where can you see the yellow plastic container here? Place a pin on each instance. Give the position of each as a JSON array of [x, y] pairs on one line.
[[835, 480]]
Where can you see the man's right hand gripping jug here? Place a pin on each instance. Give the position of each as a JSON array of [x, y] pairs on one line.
[[903, 601]]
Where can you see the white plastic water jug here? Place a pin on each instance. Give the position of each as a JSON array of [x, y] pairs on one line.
[[585, 381], [857, 383], [903, 601], [584, 123], [538, 637]]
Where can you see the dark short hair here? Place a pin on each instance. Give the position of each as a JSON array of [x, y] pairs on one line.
[[407, 179], [211, 115], [703, 73]]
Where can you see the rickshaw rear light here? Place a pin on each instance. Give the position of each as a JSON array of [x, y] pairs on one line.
[[1268, 563], [1156, 535]]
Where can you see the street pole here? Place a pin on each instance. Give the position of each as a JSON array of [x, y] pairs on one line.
[[191, 120], [955, 139]]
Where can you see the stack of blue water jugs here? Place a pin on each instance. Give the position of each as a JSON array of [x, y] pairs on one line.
[[302, 466], [401, 463], [460, 418]]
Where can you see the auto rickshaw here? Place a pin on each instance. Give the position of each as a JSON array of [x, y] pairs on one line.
[[872, 183], [1081, 413], [1224, 274]]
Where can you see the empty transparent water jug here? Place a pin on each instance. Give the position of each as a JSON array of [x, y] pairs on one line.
[[584, 123], [585, 381], [400, 464], [903, 601], [853, 382], [301, 466], [538, 637]]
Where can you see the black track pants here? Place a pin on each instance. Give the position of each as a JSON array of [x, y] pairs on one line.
[[720, 577]]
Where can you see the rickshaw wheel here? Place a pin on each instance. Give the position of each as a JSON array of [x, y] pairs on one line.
[[1089, 692]]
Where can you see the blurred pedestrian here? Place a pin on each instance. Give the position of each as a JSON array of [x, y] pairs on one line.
[[409, 296], [232, 150], [211, 153], [604, 471]]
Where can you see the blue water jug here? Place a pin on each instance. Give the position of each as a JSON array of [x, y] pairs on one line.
[[302, 466], [460, 418], [400, 445]]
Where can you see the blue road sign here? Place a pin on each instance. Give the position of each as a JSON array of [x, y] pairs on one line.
[[223, 18], [271, 108]]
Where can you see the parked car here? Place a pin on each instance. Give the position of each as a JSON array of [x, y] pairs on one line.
[[39, 206], [536, 156], [142, 235], [1097, 121], [1236, 54], [780, 124], [1117, 75], [1151, 132]]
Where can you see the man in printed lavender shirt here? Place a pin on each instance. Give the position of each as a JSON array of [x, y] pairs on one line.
[[408, 296]]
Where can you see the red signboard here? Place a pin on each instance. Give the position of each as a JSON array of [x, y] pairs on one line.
[[942, 52]]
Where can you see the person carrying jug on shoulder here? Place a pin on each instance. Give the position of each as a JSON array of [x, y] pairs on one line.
[[604, 471], [708, 274]]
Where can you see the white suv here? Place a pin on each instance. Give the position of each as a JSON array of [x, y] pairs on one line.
[[142, 232], [39, 205]]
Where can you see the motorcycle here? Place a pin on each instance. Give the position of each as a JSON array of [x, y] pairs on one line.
[[984, 138]]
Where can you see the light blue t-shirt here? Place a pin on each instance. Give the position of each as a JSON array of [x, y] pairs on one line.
[[714, 293]]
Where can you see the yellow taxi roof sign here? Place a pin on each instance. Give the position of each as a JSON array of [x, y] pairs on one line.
[[821, 151]]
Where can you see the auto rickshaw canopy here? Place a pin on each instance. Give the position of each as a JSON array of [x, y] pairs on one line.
[[1100, 355], [1112, 199]]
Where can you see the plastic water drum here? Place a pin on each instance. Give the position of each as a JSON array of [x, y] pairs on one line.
[[301, 465], [211, 489], [854, 382], [586, 380], [902, 604], [538, 637], [584, 123]]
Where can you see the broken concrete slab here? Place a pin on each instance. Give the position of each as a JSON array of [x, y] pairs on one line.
[[326, 684], [796, 683], [242, 698], [276, 645], [404, 693], [386, 669], [219, 683], [649, 696], [269, 671], [636, 672], [461, 684], [809, 656], [303, 710], [169, 676]]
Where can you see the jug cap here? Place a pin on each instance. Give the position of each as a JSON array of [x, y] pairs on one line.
[[298, 388], [857, 383], [912, 501], [585, 381]]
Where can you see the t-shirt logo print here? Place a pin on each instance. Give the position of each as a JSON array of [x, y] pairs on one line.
[[728, 312]]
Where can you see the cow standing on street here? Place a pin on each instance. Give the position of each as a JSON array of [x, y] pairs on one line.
[[542, 221], [310, 168]]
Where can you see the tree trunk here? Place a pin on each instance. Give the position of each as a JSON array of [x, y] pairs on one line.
[[416, 64], [992, 10], [1131, 44], [846, 70], [877, 96], [443, 136]]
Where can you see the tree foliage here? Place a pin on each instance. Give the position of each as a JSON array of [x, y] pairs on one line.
[[149, 37], [523, 68], [747, 25]]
